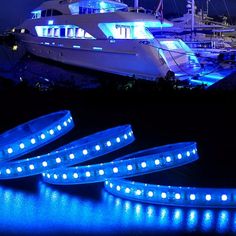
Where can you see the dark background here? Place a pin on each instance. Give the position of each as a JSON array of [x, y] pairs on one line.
[[14, 12]]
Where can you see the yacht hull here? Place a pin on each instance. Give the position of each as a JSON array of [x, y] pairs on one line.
[[123, 57]]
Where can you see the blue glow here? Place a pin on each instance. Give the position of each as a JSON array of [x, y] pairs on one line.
[[97, 48], [36, 14], [76, 46], [207, 222], [192, 220], [129, 167], [31, 166], [50, 22], [178, 218], [223, 221], [172, 45]]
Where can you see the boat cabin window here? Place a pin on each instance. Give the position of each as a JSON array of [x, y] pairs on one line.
[[56, 13], [36, 14], [79, 33], [70, 32], [98, 6], [46, 13], [62, 31], [125, 30], [57, 32], [49, 12]]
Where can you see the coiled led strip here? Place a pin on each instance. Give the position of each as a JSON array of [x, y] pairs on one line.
[[172, 195], [76, 152], [36, 133], [151, 160]]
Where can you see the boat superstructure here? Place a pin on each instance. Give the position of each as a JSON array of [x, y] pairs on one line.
[[101, 35]]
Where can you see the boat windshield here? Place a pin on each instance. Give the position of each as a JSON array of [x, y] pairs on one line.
[[96, 6]]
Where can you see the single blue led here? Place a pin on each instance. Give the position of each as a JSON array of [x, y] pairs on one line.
[[144, 164], [163, 195], [108, 143], [129, 167], [44, 164], [19, 169], [32, 135], [224, 197], [75, 175], [64, 176], [33, 141], [192, 197], [127, 190], [180, 156], [208, 197], [150, 194], [85, 152], [88, 174], [31, 167]]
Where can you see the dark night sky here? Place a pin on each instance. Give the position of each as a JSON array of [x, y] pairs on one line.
[[12, 12]]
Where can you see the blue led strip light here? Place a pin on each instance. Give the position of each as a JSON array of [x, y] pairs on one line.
[[76, 152], [172, 195], [139, 163], [34, 134]]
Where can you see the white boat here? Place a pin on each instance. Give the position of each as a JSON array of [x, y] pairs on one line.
[[102, 35]]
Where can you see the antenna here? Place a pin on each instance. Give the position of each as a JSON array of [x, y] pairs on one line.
[[191, 8], [159, 10], [207, 5], [136, 4]]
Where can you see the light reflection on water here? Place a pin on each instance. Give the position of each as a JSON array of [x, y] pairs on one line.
[[51, 210]]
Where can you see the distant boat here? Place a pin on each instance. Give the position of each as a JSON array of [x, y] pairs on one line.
[[102, 35], [200, 32]]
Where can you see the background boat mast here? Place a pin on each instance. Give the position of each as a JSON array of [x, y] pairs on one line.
[[191, 10], [193, 16]]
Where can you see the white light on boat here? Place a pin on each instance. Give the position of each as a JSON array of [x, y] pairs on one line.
[[50, 22]]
